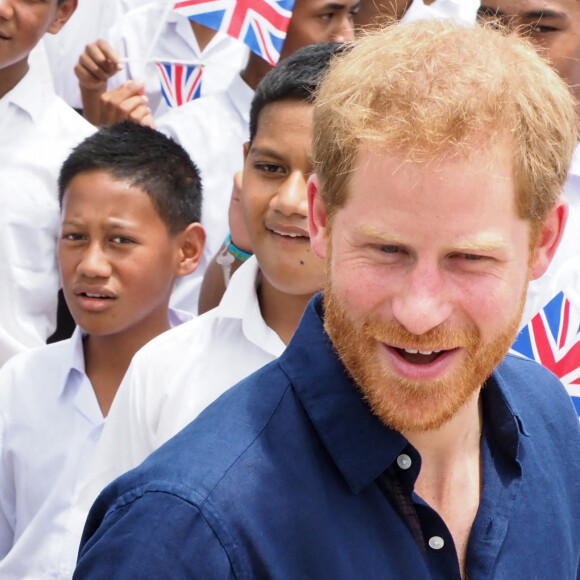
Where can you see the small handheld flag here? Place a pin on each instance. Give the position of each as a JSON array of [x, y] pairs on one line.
[[180, 83], [260, 24]]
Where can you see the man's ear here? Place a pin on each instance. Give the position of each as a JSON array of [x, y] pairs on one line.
[[63, 12], [246, 149], [317, 219], [550, 235], [192, 242]]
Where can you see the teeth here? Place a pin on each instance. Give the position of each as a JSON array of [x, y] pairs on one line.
[[289, 235], [94, 295], [427, 352]]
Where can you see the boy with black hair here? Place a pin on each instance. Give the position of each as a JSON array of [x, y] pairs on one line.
[[38, 131], [176, 376], [131, 203]]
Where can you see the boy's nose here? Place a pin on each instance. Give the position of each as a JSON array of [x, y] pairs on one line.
[[344, 31], [94, 263], [291, 197], [6, 8]]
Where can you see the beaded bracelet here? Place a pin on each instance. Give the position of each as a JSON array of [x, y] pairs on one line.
[[227, 256]]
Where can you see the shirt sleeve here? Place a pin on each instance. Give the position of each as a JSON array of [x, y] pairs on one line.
[[7, 499], [157, 535]]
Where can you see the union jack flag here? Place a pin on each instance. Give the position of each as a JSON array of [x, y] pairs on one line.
[[180, 83], [552, 338], [261, 24]]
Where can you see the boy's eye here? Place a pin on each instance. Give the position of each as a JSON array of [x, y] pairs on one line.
[[72, 236], [271, 168], [122, 240]]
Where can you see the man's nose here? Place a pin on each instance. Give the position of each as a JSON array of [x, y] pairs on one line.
[[423, 302]]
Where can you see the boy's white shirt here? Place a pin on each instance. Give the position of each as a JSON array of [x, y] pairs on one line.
[[463, 11], [38, 131], [175, 376], [50, 423]]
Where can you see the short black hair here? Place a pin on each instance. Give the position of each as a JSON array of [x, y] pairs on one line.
[[146, 159], [295, 78]]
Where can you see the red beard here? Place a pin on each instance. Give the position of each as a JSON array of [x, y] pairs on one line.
[[413, 405]]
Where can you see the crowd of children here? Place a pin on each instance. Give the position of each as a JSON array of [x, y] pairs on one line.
[[127, 209]]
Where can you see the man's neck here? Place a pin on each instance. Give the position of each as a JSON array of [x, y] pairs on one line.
[[450, 477]]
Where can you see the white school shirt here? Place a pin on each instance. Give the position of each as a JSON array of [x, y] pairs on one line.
[[90, 21], [213, 131], [50, 423], [175, 376], [542, 290], [38, 131], [131, 38]]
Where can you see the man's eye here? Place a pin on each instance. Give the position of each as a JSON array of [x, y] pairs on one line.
[[388, 249], [471, 257]]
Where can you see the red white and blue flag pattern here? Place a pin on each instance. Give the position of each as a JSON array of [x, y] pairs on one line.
[[260, 24], [552, 338], [180, 83]]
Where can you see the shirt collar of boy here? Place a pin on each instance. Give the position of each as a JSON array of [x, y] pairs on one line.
[[27, 95]]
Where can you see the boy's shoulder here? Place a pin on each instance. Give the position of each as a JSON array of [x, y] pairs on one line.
[[38, 109], [42, 371]]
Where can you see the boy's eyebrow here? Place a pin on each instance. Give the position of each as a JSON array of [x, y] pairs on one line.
[[266, 151], [336, 6], [529, 15]]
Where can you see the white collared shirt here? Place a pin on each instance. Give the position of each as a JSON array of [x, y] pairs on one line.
[[213, 131], [222, 59], [50, 423], [38, 132], [175, 376]]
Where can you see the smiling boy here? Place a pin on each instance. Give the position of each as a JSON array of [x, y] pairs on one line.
[[130, 210], [213, 129]]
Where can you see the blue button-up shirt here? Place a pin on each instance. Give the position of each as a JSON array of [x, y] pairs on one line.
[[290, 475]]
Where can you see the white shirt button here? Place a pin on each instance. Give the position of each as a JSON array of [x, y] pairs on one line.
[[404, 461], [436, 542]]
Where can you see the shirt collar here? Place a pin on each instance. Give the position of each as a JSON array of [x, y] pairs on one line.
[[240, 302], [360, 444], [241, 95], [73, 362], [25, 95]]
